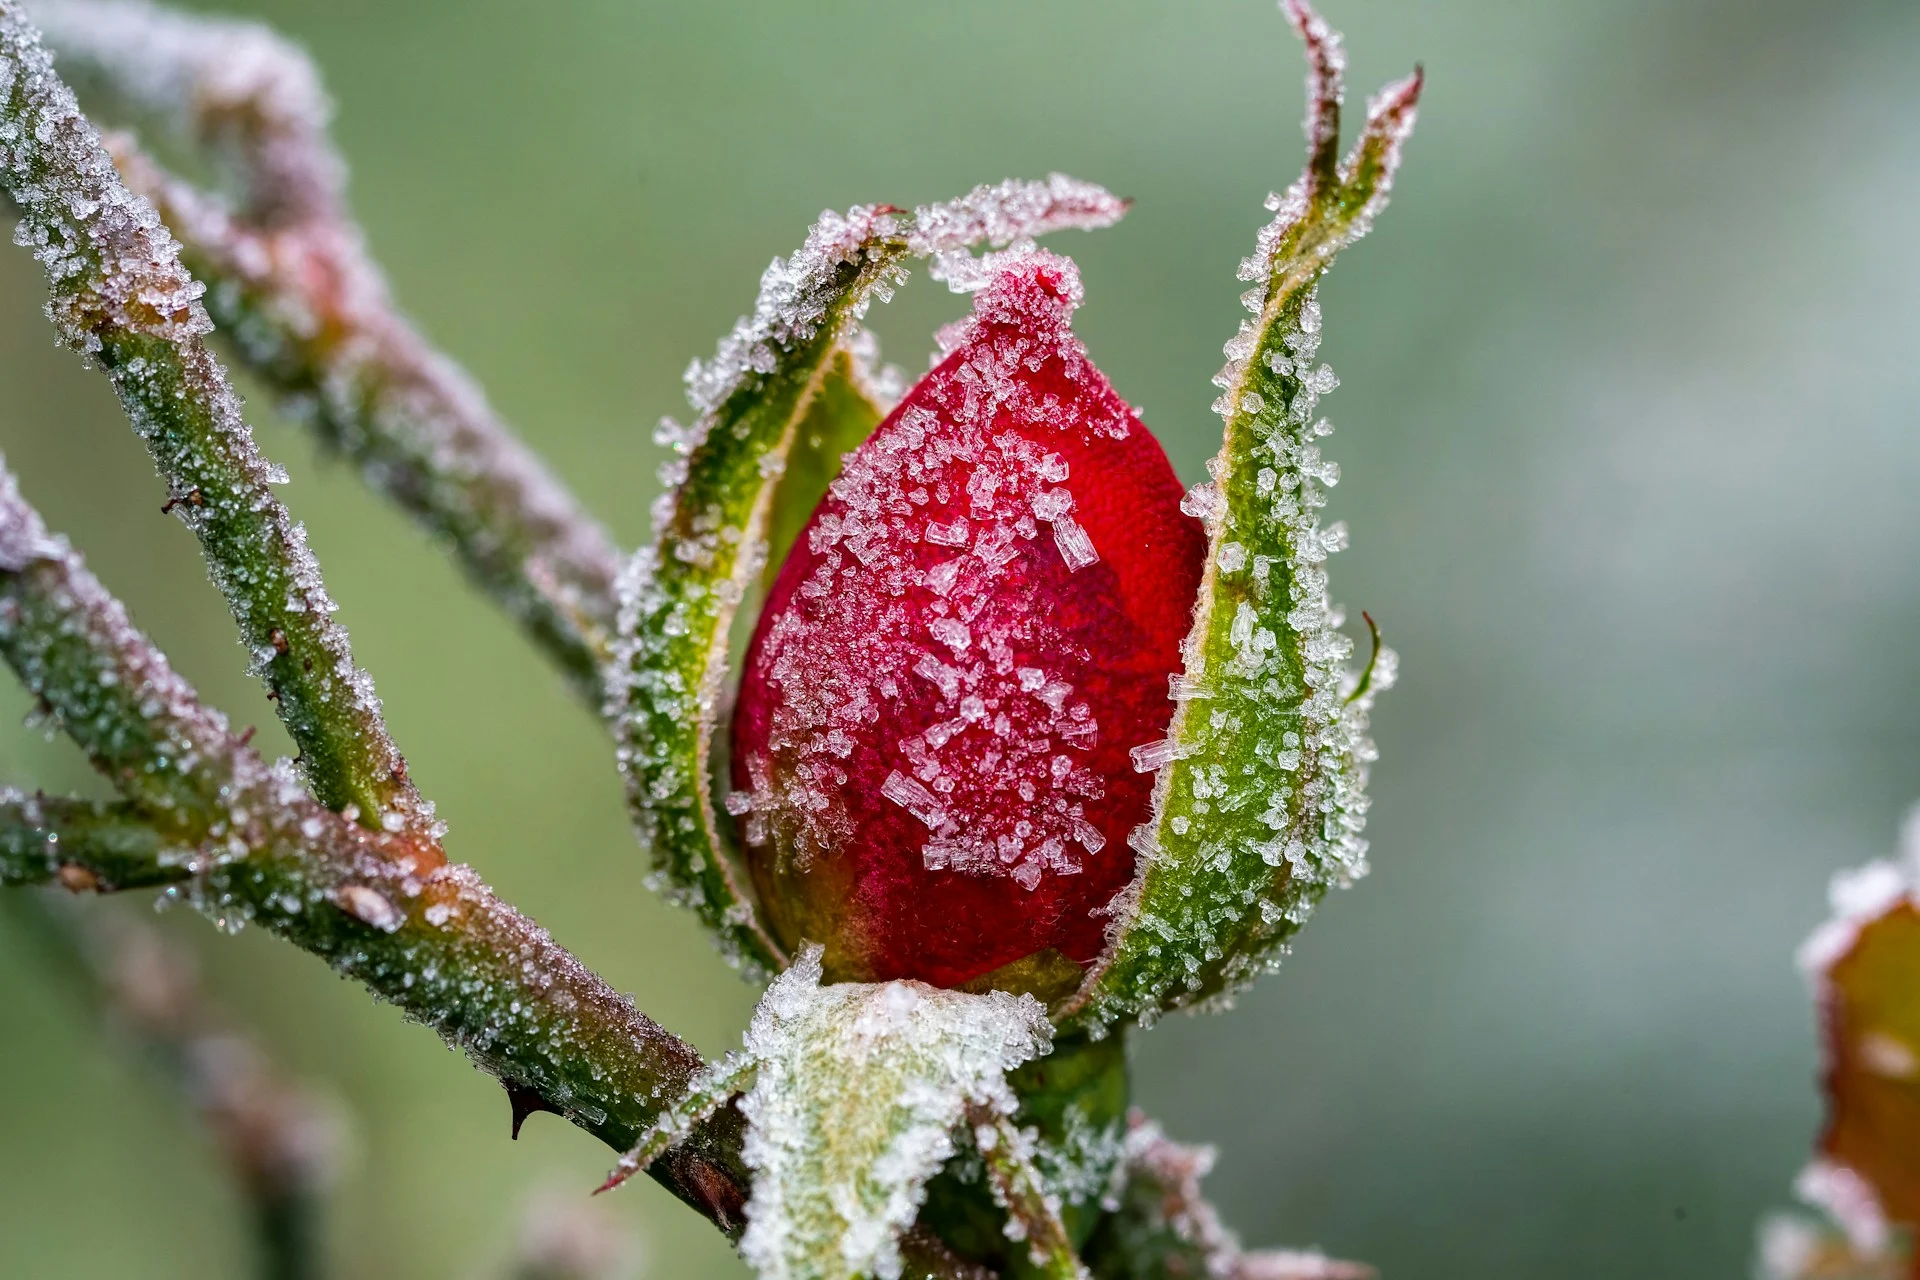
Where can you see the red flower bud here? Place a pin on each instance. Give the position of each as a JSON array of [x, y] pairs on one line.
[[931, 746]]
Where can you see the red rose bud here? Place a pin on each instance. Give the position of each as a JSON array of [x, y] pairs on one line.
[[931, 745]]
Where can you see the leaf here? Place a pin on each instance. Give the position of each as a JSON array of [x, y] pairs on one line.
[[1259, 806], [857, 1089], [679, 597], [1865, 966]]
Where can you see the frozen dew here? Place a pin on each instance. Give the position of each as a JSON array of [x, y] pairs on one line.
[[1075, 547]]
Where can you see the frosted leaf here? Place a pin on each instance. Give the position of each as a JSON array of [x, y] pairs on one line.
[[858, 1088], [753, 401], [1864, 967], [1260, 801]]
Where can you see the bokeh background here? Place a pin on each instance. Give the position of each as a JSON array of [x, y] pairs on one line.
[[1629, 431]]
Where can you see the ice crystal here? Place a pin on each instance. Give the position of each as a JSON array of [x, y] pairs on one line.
[[857, 1090]]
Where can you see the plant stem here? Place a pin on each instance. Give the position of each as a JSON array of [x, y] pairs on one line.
[[83, 845], [385, 908], [120, 297], [295, 290]]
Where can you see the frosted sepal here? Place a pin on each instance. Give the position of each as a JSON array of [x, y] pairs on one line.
[[1260, 796]]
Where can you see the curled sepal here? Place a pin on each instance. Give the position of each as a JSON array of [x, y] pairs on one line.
[[678, 597], [1259, 801], [857, 1089], [1865, 968]]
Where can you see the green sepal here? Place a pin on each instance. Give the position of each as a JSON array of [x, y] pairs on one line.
[[1259, 806]]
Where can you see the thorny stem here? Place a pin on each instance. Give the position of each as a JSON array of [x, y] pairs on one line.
[[305, 308], [120, 297], [385, 908], [277, 1140]]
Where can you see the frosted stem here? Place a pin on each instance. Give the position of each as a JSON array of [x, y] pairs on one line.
[[278, 1141], [295, 290], [83, 845], [1033, 1213], [385, 908], [120, 297]]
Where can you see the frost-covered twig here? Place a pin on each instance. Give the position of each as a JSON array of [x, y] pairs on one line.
[[1164, 1226], [1033, 1213], [120, 297], [295, 289], [385, 908], [277, 1139], [83, 845]]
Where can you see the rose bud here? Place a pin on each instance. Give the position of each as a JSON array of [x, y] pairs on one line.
[[930, 749]]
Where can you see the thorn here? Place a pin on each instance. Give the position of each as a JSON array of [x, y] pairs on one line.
[[247, 737], [278, 639], [525, 1102]]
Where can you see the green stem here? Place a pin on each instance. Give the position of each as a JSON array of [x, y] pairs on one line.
[[384, 908], [84, 845], [120, 297], [303, 306]]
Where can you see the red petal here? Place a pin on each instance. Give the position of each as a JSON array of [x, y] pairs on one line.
[[931, 743]]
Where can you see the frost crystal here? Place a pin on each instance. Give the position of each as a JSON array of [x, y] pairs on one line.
[[857, 1091]]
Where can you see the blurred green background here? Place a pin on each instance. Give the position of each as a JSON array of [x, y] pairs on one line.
[[1629, 432]]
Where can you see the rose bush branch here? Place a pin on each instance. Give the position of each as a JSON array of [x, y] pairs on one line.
[[119, 296], [384, 908], [301, 303], [84, 845]]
